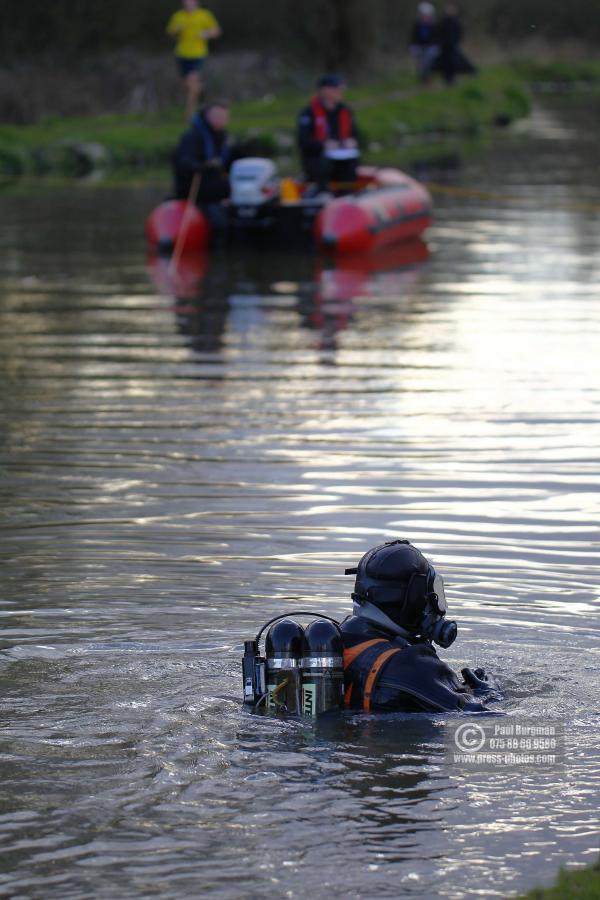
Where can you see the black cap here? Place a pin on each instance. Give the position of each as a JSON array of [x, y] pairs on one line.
[[330, 80]]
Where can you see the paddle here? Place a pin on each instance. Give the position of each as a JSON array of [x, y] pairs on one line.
[[185, 220]]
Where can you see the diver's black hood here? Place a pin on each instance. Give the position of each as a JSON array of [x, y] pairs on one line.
[[396, 578], [398, 588]]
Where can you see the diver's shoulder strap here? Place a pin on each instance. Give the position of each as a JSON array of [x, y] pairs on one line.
[[352, 653], [376, 668]]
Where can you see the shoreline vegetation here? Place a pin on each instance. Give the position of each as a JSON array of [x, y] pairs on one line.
[[575, 884], [401, 123]]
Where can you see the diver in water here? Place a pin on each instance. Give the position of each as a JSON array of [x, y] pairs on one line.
[[390, 663], [381, 659]]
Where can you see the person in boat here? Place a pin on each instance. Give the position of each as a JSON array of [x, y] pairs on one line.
[[192, 27], [328, 135], [390, 663], [424, 41], [451, 60], [202, 159]]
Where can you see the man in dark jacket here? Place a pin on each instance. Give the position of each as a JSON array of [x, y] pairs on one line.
[[328, 135], [389, 661], [204, 151], [451, 60]]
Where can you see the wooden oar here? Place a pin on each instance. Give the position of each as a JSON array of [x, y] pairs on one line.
[[185, 221]]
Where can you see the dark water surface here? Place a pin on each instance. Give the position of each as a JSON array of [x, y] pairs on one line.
[[175, 472]]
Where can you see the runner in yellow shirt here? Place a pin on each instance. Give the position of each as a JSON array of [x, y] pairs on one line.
[[192, 27]]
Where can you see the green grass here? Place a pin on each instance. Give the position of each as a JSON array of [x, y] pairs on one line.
[[560, 72], [578, 884], [396, 119]]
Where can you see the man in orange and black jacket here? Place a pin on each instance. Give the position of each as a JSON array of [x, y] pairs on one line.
[[327, 124], [390, 663]]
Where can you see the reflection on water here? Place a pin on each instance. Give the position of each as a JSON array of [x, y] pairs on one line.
[[322, 295], [185, 454]]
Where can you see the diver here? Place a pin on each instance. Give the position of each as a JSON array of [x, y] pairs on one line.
[[380, 659], [390, 663]]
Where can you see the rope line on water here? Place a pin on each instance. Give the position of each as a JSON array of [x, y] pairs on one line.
[[499, 197]]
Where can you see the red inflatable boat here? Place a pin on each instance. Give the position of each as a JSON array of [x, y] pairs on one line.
[[391, 207], [384, 207]]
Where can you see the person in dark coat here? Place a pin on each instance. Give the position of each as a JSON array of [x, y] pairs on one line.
[[327, 129], [423, 41], [204, 151], [451, 61], [390, 664]]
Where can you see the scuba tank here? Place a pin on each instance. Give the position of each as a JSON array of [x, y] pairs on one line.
[[322, 668], [283, 651], [301, 672]]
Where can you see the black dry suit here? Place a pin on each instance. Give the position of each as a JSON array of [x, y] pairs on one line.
[[384, 672]]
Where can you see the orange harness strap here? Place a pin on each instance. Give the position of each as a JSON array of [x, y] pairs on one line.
[[350, 655], [352, 652], [372, 676]]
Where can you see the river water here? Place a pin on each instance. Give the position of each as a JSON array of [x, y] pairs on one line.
[[174, 471]]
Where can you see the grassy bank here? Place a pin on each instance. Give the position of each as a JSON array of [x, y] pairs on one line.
[[579, 884], [397, 120], [560, 75], [400, 123]]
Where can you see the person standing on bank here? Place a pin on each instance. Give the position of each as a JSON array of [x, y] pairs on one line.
[[451, 60], [192, 27], [328, 135], [423, 41]]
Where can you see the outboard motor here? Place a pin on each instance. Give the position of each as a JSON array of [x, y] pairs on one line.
[[254, 184], [283, 650], [322, 668]]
